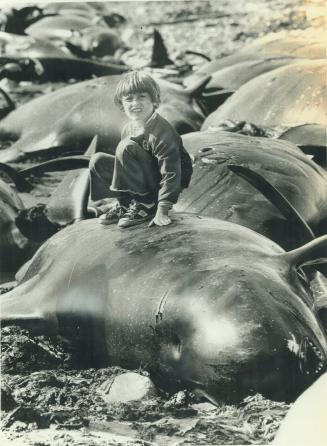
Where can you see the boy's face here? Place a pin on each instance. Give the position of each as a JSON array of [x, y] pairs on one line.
[[138, 106]]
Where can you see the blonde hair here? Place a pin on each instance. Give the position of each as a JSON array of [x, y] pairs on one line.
[[137, 82]]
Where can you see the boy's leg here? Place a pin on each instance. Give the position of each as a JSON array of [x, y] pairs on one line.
[[136, 172], [101, 169]]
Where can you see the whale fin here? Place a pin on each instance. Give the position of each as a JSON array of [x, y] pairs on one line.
[[113, 20], [276, 198], [312, 253], [93, 147], [159, 56], [77, 51], [13, 155], [218, 94], [71, 162], [59, 164], [215, 97], [17, 178], [10, 104], [69, 201], [197, 53], [197, 88]]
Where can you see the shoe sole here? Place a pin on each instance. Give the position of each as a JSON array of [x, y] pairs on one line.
[[107, 222], [130, 223]]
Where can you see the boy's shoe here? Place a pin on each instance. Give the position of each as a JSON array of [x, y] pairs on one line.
[[113, 214], [137, 213]]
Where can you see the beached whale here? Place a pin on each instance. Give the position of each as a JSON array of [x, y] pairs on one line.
[[216, 191], [201, 304], [283, 45], [27, 46], [294, 95], [55, 69], [16, 246], [72, 115]]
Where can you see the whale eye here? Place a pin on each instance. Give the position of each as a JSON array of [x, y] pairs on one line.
[[206, 150]]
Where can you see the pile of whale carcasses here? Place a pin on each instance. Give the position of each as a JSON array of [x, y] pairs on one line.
[[219, 301]]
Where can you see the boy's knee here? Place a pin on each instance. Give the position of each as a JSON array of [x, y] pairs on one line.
[[127, 147], [97, 160]]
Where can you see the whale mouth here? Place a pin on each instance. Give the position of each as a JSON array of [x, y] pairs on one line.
[[312, 360]]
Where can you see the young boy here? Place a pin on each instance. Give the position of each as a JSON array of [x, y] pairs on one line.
[[151, 165]]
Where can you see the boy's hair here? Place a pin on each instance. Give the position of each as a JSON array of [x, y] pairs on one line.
[[137, 82]]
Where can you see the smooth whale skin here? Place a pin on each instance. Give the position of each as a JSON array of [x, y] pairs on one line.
[[76, 7], [226, 81], [87, 33], [215, 191], [14, 45], [202, 303], [295, 94], [59, 26], [311, 138], [307, 135], [72, 116], [306, 44], [234, 76]]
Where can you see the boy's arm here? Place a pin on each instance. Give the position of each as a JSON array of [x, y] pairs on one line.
[[161, 218], [167, 152]]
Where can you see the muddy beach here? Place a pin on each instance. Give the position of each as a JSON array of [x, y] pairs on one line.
[[50, 396]]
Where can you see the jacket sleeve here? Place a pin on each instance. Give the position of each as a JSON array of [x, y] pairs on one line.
[[167, 152]]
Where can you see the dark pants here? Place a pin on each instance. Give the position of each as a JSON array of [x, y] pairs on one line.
[[134, 173]]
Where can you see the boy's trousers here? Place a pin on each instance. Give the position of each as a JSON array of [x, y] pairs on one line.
[[133, 172]]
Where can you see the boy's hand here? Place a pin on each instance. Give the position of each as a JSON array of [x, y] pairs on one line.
[[161, 218]]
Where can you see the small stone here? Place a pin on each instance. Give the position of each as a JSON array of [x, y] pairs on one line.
[[19, 426], [127, 387], [183, 398]]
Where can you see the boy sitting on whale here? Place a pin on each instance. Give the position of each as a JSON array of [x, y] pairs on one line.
[[151, 165]]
